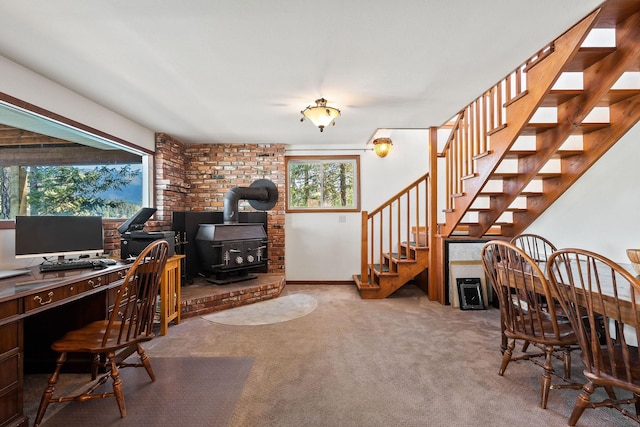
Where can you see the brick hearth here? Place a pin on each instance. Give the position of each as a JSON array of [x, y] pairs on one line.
[[202, 297]]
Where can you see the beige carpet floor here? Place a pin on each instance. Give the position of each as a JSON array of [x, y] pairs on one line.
[[402, 361]]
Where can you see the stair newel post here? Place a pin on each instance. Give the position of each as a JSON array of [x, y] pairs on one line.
[[381, 240], [398, 229], [417, 242], [435, 289], [390, 236], [364, 248]]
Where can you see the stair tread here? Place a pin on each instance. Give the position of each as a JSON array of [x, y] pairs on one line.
[[558, 97], [587, 56]]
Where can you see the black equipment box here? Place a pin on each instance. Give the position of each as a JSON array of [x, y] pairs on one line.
[[133, 243]]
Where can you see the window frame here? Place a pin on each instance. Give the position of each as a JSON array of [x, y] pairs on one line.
[[326, 159], [81, 134]]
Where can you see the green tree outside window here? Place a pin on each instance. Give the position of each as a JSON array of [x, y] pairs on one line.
[[323, 183]]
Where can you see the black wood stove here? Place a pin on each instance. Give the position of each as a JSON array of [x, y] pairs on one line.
[[229, 252]]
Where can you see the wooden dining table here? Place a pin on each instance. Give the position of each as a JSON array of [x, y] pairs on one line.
[[629, 300]]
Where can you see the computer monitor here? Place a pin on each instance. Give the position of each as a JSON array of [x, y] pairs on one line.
[[45, 236], [137, 221]]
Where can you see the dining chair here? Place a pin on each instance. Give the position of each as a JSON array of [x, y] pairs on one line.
[[518, 284], [129, 324], [602, 301], [537, 247]]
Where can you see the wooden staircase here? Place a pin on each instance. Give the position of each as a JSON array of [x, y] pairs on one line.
[[516, 149], [394, 241]]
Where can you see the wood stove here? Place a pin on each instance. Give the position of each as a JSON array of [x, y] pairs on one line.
[[231, 250]]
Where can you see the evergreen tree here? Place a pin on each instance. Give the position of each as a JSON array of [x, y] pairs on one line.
[[71, 190]]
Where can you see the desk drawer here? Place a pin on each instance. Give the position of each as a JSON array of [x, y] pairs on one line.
[[114, 277], [10, 370], [10, 336], [51, 296], [9, 308], [58, 294], [11, 390], [89, 284]]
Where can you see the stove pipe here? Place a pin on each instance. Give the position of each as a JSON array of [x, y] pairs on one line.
[[262, 195]]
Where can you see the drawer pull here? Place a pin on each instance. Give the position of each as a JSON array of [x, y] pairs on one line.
[[93, 284], [39, 300]]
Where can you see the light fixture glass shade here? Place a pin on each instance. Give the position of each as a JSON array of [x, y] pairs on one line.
[[382, 146], [321, 115]]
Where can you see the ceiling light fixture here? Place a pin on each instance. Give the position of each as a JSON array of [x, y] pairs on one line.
[[320, 115], [382, 146]]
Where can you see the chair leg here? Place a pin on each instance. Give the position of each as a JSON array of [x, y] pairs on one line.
[[566, 358], [582, 402], [117, 384], [506, 357], [48, 392], [95, 364], [611, 392], [545, 379], [146, 362]]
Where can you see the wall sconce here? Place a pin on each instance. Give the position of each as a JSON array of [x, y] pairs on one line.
[[320, 115], [382, 146]]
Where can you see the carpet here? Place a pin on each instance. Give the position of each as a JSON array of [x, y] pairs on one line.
[[189, 391], [275, 310]]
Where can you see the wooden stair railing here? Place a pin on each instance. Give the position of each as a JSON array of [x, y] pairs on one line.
[[395, 240], [487, 128]]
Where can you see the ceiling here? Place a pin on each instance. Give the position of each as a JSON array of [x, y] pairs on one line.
[[240, 71]]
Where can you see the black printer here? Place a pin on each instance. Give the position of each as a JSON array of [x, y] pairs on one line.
[[133, 238]]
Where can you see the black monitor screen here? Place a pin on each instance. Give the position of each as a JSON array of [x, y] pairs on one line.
[[58, 236]]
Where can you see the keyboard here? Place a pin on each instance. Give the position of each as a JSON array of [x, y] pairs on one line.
[[70, 265]]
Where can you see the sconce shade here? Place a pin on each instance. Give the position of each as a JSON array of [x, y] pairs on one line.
[[320, 115], [382, 146]]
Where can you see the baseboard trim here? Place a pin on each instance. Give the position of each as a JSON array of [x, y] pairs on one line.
[[319, 282]]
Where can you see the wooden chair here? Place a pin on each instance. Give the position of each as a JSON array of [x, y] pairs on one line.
[[537, 247], [129, 324], [602, 301], [519, 284]]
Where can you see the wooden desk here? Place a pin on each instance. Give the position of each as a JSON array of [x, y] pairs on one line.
[[170, 292], [33, 294]]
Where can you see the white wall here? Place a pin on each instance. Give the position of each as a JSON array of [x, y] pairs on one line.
[[326, 246]]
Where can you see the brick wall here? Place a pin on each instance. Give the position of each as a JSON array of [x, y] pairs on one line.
[[171, 188], [196, 178]]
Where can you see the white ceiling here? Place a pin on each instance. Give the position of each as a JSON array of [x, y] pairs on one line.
[[240, 71]]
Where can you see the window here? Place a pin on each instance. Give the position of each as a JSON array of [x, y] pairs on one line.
[[107, 190], [49, 167], [323, 183]]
